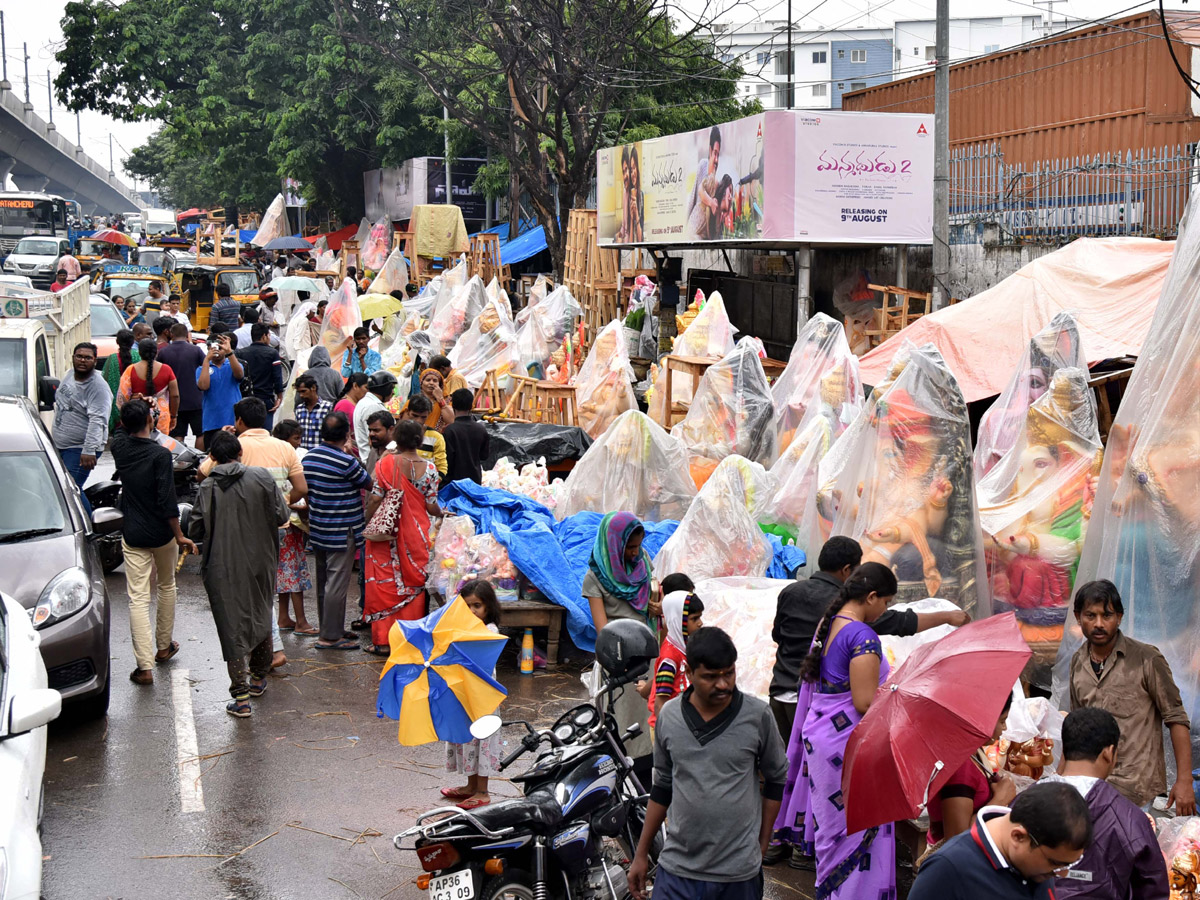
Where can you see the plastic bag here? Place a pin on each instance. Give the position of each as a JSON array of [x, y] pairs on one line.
[[274, 223], [450, 318], [634, 466], [341, 319], [362, 235], [374, 253], [604, 385], [904, 486], [541, 329], [449, 546], [719, 536], [1034, 507], [1179, 840], [821, 372], [898, 649], [709, 336], [744, 608], [732, 413], [531, 480], [393, 276], [1144, 534], [489, 345], [1055, 347], [1033, 717], [855, 300]]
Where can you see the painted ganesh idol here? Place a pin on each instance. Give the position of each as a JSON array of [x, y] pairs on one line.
[[604, 385], [821, 378], [1034, 507], [905, 489]]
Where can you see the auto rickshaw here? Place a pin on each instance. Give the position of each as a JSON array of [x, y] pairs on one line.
[[199, 289]]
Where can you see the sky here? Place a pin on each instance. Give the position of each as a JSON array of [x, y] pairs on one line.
[[38, 25]]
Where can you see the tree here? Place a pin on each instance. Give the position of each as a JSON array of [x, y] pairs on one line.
[[546, 84]]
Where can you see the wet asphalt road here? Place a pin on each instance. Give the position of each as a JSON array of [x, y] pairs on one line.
[[299, 801]]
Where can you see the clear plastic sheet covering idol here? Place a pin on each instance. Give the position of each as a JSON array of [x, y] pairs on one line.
[[451, 317], [1144, 533], [821, 372], [374, 252], [719, 536], [796, 476], [635, 466], [904, 487], [541, 328], [744, 608], [710, 336], [489, 345], [341, 318], [1055, 347], [604, 385], [732, 413], [392, 277], [1035, 505]]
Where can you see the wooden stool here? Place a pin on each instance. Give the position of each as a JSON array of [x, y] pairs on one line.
[[532, 614], [520, 399], [554, 403], [489, 398], [694, 366]]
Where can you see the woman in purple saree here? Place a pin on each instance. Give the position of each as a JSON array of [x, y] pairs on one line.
[[838, 681]]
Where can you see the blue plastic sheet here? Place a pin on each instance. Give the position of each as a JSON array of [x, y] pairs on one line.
[[554, 555], [524, 246]]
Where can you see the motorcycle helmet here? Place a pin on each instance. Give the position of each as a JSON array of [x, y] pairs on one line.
[[624, 646]]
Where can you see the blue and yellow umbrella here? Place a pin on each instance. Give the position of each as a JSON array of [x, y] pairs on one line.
[[438, 679]]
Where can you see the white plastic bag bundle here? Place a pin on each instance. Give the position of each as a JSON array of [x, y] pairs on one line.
[[450, 318], [489, 345], [274, 223], [362, 235], [710, 336], [393, 276], [634, 466], [719, 536], [326, 261], [898, 649], [1033, 717], [604, 385], [821, 374]]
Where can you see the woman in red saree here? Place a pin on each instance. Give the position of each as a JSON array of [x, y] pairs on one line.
[[395, 568]]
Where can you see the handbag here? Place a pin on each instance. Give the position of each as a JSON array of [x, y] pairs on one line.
[[386, 521]]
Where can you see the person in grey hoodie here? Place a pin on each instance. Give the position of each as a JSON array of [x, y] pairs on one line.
[[329, 382], [81, 408], [238, 513]]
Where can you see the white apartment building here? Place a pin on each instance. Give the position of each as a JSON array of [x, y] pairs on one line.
[[913, 39]]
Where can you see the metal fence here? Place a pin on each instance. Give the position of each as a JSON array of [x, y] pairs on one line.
[[1120, 193]]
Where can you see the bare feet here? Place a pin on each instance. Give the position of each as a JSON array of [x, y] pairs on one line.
[[278, 659]]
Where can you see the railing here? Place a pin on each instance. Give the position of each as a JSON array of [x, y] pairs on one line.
[[1119, 193]]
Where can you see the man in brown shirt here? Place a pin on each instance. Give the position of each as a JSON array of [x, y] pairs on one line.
[[1132, 681]]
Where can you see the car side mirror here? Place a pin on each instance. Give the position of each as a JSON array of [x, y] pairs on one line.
[[32, 709], [47, 389], [107, 521]]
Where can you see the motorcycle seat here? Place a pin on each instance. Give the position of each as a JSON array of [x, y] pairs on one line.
[[538, 812]]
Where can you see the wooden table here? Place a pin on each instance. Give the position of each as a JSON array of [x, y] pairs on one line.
[[532, 614], [696, 366]]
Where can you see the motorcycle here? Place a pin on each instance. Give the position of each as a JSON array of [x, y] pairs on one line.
[[573, 834], [107, 494]]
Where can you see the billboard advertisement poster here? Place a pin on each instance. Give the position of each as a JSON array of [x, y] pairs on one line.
[[694, 187], [834, 177]]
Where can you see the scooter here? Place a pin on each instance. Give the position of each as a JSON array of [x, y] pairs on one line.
[[573, 834]]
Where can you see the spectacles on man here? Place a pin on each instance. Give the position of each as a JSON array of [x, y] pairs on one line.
[[1055, 865]]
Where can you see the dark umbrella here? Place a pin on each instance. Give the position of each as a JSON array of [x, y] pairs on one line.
[[288, 242], [935, 710]]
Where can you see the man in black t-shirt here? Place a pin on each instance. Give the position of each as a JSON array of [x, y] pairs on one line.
[[467, 440], [264, 367]]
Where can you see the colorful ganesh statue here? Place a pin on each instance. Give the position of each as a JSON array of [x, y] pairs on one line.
[[1034, 507], [732, 413], [1055, 347], [900, 482], [635, 466], [604, 385], [708, 336], [821, 372], [490, 344], [542, 327]]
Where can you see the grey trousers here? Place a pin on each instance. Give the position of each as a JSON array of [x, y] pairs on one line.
[[335, 569], [260, 666]]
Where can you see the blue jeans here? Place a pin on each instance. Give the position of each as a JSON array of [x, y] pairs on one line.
[[675, 887], [70, 458]]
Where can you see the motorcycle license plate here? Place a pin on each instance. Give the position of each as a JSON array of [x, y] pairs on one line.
[[455, 886]]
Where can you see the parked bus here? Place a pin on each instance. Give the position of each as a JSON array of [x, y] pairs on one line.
[[28, 214]]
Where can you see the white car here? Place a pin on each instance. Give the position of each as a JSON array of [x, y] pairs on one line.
[[18, 280], [26, 707], [35, 258]]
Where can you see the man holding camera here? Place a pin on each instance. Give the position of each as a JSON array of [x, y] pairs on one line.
[[219, 380]]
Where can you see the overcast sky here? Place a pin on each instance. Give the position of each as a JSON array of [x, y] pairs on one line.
[[38, 24]]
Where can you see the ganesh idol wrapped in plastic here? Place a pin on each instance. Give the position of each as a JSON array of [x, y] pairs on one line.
[[451, 318], [1034, 507], [542, 328], [720, 536], [1055, 347], [489, 345], [905, 489], [635, 466], [708, 336], [821, 376], [732, 413], [604, 385]]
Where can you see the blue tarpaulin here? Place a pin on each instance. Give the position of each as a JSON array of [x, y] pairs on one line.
[[524, 246], [554, 555]]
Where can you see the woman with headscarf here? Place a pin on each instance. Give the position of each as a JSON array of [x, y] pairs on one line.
[[618, 585], [115, 366], [152, 381], [432, 386]]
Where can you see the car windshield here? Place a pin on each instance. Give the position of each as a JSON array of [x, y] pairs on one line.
[[106, 321], [150, 258], [12, 367], [239, 282], [36, 248], [124, 287], [31, 500], [92, 248]]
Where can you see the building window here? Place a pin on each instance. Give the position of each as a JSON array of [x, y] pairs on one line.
[[841, 54], [819, 57], [990, 48], [820, 90], [762, 58], [841, 85], [782, 95], [857, 85], [897, 54], [916, 51], [930, 53], [859, 56], [781, 63]]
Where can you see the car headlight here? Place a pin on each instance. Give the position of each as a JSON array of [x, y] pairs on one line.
[[45, 268], [67, 593]]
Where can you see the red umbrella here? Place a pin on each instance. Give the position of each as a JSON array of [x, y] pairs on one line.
[[934, 711], [112, 236]]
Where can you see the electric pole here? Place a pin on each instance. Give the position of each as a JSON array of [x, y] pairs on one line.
[[941, 158], [111, 173], [25, 53], [790, 67], [4, 82], [446, 150], [50, 100]]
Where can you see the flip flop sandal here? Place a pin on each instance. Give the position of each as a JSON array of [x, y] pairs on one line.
[[349, 636], [378, 651], [172, 649], [238, 708], [340, 645], [284, 629], [308, 632], [258, 687], [359, 625], [452, 794], [472, 803]]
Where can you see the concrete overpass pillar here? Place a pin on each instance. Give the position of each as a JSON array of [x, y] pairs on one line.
[[6, 167], [33, 182]]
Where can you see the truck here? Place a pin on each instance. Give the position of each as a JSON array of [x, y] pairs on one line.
[[157, 222], [38, 334]]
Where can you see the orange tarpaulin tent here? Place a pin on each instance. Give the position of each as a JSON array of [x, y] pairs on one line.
[[334, 238], [1110, 286]]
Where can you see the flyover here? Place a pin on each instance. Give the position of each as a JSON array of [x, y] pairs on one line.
[[39, 158]]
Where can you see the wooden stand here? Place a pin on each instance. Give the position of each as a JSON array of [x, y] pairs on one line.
[[489, 399], [554, 403], [520, 399], [694, 366], [534, 614], [485, 262], [591, 274], [349, 248], [901, 307]]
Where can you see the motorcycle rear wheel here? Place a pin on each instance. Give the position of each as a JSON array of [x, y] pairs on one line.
[[514, 884]]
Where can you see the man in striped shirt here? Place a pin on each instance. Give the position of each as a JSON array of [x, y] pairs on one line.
[[335, 522], [310, 411]]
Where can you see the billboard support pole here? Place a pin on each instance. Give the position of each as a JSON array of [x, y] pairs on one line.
[[941, 158], [803, 259], [446, 150]]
